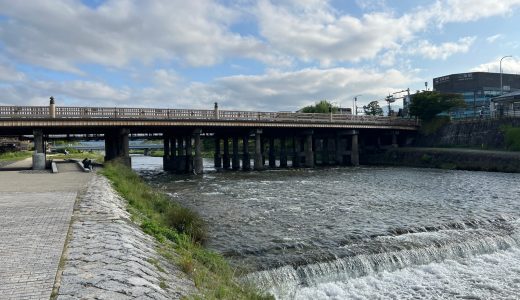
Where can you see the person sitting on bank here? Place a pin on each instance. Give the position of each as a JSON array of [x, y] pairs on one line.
[[87, 163]]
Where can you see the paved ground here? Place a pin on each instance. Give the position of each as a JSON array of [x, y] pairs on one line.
[[35, 212]]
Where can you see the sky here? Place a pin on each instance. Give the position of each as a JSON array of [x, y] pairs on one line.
[[263, 55]]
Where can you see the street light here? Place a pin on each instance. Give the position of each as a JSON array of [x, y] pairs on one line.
[[355, 103], [501, 85]]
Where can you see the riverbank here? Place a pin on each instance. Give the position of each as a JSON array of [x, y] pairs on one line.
[[447, 158], [180, 233], [109, 257]]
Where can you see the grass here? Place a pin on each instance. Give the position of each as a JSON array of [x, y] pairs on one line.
[[512, 137], [12, 156], [181, 233]]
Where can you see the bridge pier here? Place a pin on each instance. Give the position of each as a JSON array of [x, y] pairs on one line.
[[236, 155], [308, 149], [394, 138], [354, 151], [218, 156], [225, 159], [246, 160], [296, 149], [39, 159], [283, 153], [198, 162], [258, 163], [272, 153], [117, 146]]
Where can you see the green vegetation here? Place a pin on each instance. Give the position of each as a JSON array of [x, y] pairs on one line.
[[373, 109], [181, 233], [431, 126], [17, 155], [512, 137], [427, 105], [323, 106]]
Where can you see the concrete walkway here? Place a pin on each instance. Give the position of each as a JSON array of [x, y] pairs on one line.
[[35, 213]]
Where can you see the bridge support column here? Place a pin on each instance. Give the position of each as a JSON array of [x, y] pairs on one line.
[[117, 146], [394, 138], [272, 153], [198, 163], [226, 162], [189, 163], [339, 145], [180, 159], [167, 159], [354, 152], [309, 154], [258, 165], [246, 161], [325, 151], [39, 160], [283, 153], [296, 162], [236, 155], [218, 157]]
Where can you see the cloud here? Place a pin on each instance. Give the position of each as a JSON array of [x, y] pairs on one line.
[[509, 65], [493, 38], [274, 91], [61, 34], [450, 11], [444, 50], [9, 73], [314, 32]]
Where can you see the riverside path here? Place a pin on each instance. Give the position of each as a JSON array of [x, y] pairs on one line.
[[35, 213]]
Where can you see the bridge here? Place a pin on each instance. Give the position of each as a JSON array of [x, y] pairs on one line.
[[307, 139]]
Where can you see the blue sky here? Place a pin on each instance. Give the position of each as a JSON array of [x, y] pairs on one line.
[[247, 55]]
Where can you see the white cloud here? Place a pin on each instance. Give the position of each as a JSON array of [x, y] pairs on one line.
[[444, 50], [493, 38], [9, 73], [60, 34], [448, 11], [509, 65], [315, 32], [273, 91]]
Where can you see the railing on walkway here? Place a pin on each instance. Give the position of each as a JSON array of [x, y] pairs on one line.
[[20, 112]]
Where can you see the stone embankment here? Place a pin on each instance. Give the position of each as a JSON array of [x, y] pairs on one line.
[[447, 158], [478, 134], [109, 257]]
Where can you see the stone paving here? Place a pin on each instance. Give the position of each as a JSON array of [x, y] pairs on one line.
[[109, 257], [33, 227]]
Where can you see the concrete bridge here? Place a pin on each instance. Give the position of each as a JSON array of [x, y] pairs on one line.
[[304, 139]]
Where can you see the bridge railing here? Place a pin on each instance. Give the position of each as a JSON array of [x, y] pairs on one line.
[[16, 112]]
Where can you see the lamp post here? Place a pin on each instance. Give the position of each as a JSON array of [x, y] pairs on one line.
[[355, 103], [501, 85]]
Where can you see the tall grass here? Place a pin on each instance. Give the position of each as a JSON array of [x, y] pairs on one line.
[[169, 222], [17, 155]]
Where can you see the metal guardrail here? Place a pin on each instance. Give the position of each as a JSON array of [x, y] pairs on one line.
[[36, 112]]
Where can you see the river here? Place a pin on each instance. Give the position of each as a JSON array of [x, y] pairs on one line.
[[360, 233]]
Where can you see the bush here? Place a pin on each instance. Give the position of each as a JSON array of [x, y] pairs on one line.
[[187, 221], [512, 137]]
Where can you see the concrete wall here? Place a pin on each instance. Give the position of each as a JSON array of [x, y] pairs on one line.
[[476, 134], [460, 159]]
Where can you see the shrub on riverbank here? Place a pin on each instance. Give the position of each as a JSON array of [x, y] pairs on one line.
[[512, 137], [169, 221]]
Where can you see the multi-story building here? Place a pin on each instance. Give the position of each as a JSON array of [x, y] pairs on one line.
[[477, 88]]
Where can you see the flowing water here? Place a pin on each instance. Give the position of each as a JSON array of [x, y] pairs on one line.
[[361, 233]]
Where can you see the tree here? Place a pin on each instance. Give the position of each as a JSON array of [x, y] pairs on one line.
[[323, 106], [427, 105], [373, 109]]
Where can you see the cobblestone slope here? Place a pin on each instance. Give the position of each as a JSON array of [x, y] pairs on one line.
[[109, 257]]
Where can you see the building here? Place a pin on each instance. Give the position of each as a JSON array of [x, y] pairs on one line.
[[477, 88]]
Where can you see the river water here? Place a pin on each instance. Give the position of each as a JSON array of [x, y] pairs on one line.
[[361, 233]]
